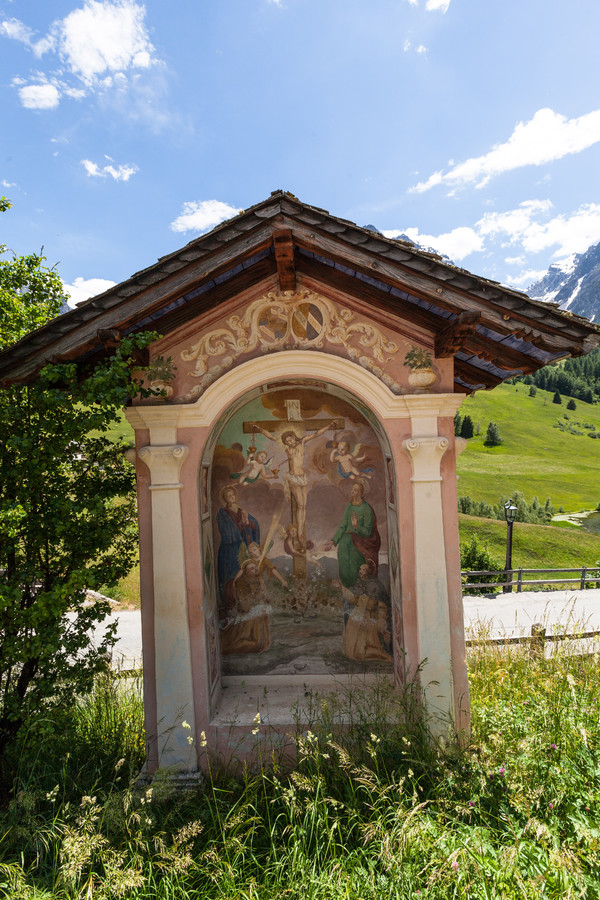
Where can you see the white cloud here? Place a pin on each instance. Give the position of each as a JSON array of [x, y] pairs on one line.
[[456, 244], [441, 5], [84, 288], [119, 173], [527, 228], [548, 136], [8, 184], [16, 30], [104, 37], [525, 278], [39, 96], [567, 234], [421, 48], [514, 223], [99, 44], [202, 215]]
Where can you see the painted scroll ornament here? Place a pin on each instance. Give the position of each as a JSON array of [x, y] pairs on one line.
[[290, 320]]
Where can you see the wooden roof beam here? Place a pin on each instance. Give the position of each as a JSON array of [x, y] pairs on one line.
[[474, 376], [283, 245], [424, 285], [454, 336]]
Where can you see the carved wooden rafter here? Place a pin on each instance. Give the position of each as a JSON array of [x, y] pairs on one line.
[[452, 338], [110, 337], [509, 359], [283, 245]]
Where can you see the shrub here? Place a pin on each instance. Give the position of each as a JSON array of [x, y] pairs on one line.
[[492, 438], [475, 556]]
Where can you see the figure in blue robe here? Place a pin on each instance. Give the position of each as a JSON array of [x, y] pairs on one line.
[[236, 527]]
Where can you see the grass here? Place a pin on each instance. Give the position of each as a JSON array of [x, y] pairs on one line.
[[377, 812], [535, 457], [127, 590], [534, 546]]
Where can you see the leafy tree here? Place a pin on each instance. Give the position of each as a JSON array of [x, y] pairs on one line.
[[571, 405], [475, 556], [492, 437], [532, 390], [557, 398], [67, 511], [466, 429]]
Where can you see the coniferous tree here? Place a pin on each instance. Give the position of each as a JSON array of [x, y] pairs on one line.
[[557, 398], [571, 405], [492, 437], [466, 429]]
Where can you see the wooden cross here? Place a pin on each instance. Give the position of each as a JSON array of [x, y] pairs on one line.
[[275, 429]]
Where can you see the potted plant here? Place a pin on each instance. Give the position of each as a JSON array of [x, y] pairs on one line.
[[160, 374], [421, 376]]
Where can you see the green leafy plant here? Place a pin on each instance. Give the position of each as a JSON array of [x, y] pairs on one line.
[[418, 358], [67, 507]]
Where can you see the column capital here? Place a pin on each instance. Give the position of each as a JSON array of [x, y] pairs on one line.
[[425, 455], [164, 462]]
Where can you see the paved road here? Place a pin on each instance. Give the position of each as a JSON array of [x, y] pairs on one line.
[[508, 615], [505, 615]]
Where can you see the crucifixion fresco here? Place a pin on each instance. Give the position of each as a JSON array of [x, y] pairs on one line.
[[300, 533]]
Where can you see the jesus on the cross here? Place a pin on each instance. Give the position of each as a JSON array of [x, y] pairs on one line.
[[295, 483]]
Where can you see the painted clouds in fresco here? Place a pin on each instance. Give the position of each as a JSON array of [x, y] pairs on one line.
[[99, 46]]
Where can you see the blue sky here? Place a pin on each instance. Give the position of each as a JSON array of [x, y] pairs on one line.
[[130, 128]]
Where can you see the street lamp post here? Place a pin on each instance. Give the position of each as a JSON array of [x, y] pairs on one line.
[[510, 514]]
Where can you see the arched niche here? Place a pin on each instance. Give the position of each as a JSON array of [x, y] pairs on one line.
[[298, 505]]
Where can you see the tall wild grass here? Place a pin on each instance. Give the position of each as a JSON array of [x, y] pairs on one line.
[[378, 811]]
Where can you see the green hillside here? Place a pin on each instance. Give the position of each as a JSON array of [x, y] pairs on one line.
[[535, 457], [534, 546]]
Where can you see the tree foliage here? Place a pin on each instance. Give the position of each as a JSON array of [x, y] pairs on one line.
[[466, 428], [67, 514], [476, 556], [534, 512], [578, 377], [492, 437]]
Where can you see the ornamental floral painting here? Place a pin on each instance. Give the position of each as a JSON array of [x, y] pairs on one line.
[[298, 493]]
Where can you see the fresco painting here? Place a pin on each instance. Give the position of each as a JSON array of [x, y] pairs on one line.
[[298, 490]]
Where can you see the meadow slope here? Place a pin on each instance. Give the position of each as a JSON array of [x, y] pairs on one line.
[[535, 457]]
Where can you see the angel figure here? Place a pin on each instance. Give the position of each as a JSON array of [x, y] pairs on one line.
[[347, 461], [256, 466]]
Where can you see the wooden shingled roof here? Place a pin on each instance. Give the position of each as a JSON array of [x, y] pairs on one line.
[[493, 332]]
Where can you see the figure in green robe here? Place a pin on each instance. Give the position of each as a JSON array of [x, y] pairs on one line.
[[357, 539]]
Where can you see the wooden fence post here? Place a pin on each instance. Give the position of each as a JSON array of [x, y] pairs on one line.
[[538, 640], [583, 574]]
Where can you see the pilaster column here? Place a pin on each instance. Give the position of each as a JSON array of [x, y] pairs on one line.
[[433, 617], [174, 691]]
